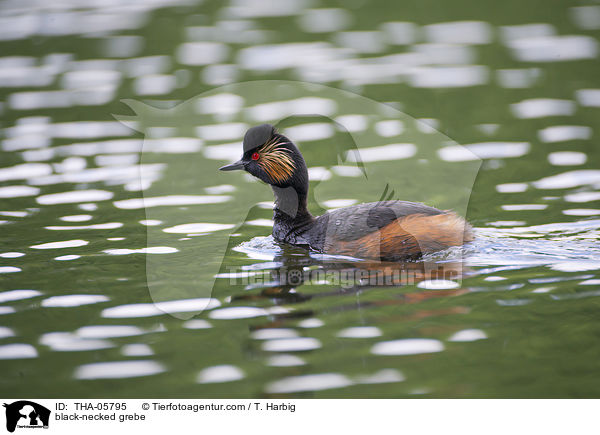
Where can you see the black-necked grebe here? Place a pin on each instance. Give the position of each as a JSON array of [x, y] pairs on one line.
[[386, 230]]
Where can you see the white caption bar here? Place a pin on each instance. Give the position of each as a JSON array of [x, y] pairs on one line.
[[277, 416]]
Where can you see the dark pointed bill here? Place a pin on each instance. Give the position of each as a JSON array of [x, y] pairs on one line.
[[233, 166]]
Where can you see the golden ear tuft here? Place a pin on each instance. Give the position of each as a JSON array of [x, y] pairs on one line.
[[276, 160]]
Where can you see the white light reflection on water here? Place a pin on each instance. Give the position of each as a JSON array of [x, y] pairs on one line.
[[260, 223], [6, 332], [221, 104], [285, 360], [108, 331], [449, 76], [68, 342], [14, 213], [317, 382], [396, 151], [128, 175], [150, 222], [521, 207], [61, 245], [588, 97], [562, 133], [197, 324], [319, 173], [310, 132], [554, 48], [383, 376], [311, 323], [18, 191], [582, 197], [25, 170], [76, 218], [347, 171], [119, 369], [438, 284], [567, 158], [156, 84], [58, 99], [581, 212], [408, 346], [271, 334], [217, 190], [197, 228], [389, 128], [106, 226], [67, 257], [88, 206], [569, 179], [137, 203], [148, 250], [512, 187], [6, 310], [260, 8], [586, 17], [137, 349], [220, 373], [576, 266], [524, 31], [160, 308], [360, 332], [542, 107], [73, 300], [17, 295], [295, 344], [230, 313], [75, 197], [468, 335], [297, 107], [338, 203], [353, 123], [484, 150], [169, 145], [17, 351]]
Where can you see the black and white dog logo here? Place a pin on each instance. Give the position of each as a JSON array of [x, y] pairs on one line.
[[26, 414]]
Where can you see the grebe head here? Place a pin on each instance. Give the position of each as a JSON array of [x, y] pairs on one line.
[[272, 158]]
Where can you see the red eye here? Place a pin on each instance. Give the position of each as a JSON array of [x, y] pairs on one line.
[[255, 156]]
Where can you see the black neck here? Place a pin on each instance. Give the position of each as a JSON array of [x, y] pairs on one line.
[[290, 205], [290, 201]]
